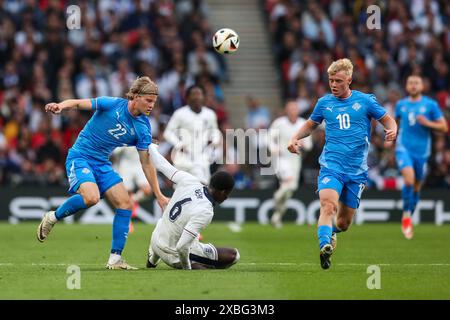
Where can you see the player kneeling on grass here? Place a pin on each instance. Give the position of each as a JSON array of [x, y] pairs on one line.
[[191, 209]]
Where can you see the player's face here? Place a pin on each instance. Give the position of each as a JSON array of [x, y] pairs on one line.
[[292, 110], [414, 85], [196, 98], [146, 103], [339, 84]]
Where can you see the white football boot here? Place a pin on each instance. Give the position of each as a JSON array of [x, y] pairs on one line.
[[46, 225]]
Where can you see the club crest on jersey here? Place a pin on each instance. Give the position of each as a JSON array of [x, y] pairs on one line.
[[132, 131], [422, 109], [85, 170], [325, 180], [199, 194], [356, 106]]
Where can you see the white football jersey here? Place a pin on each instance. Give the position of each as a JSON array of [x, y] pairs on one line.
[[190, 209], [281, 131], [193, 131]]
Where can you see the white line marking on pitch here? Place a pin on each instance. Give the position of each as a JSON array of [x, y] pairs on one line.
[[9, 264]]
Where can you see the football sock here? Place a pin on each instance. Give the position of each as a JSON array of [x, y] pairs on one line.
[[415, 200], [121, 224], [407, 195], [336, 229], [324, 235], [70, 206], [113, 258]]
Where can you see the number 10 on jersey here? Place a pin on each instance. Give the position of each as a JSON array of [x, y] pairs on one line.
[[344, 121]]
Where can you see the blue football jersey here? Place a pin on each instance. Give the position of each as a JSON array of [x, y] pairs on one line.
[[413, 137], [112, 126], [347, 130]]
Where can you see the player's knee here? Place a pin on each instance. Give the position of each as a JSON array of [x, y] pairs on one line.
[[343, 224], [91, 199], [328, 208], [236, 256], [228, 257]]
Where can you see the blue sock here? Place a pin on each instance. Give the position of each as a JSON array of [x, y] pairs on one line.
[[415, 200], [335, 229], [324, 235], [70, 206], [121, 224], [407, 195]]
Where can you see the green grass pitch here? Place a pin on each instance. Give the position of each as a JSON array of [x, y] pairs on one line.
[[275, 264]]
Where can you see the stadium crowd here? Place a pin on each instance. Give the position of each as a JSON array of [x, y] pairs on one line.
[[414, 38], [41, 60]]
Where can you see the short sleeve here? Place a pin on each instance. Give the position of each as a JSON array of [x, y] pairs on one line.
[[435, 111], [317, 114], [144, 141], [103, 103], [375, 110]]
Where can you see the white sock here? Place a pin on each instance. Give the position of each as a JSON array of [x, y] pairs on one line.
[[113, 258]]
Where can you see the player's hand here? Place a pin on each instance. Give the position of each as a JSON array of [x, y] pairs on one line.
[[390, 135], [53, 108], [422, 120], [295, 146], [163, 201]]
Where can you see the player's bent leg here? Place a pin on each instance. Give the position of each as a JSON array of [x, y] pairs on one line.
[[87, 196], [281, 196], [408, 200], [328, 209], [344, 220], [120, 199], [152, 258], [227, 257]]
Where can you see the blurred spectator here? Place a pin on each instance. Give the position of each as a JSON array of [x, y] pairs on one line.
[[414, 38], [43, 61]]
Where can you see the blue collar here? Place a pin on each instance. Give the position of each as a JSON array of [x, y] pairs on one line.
[[209, 196]]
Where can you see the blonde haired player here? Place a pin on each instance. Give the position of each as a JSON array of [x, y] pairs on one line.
[[116, 122], [190, 210], [191, 129], [347, 115], [287, 165]]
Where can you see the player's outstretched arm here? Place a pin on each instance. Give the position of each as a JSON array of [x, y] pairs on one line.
[[390, 127], [305, 130], [150, 174], [82, 104], [160, 163]]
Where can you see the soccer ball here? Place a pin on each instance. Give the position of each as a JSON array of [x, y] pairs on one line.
[[226, 41]]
